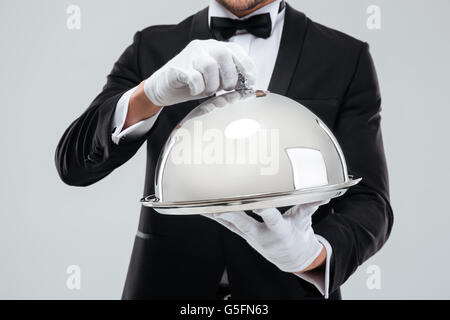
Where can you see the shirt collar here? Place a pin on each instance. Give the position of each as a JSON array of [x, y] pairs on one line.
[[217, 10]]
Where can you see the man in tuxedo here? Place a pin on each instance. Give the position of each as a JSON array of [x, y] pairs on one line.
[[165, 73]]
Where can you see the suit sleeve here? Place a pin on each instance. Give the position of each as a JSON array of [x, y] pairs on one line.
[[134, 131], [85, 154], [360, 221]]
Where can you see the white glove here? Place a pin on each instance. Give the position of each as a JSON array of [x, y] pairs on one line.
[[288, 240], [199, 70]]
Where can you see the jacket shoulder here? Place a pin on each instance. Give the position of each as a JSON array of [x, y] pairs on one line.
[[181, 28], [332, 49], [332, 38]]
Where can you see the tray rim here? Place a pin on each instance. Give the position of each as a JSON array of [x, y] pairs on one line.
[[154, 202]]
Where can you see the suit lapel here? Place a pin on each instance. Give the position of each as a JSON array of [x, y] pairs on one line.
[[200, 27], [292, 38]]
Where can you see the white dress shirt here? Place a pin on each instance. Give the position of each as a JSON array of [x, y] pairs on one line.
[[264, 53]]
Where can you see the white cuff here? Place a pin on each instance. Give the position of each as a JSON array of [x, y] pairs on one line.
[[133, 132], [319, 278]]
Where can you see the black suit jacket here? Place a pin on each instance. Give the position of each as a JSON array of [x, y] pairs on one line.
[[184, 257]]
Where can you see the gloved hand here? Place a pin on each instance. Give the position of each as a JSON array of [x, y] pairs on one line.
[[202, 68], [287, 240]]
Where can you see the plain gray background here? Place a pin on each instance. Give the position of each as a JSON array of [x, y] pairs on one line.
[[49, 75]]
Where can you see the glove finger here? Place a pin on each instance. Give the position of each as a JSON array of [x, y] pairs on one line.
[[272, 217], [176, 78], [194, 80], [310, 208], [226, 224], [306, 208], [227, 68], [231, 227], [241, 221], [319, 203], [243, 62], [209, 69]]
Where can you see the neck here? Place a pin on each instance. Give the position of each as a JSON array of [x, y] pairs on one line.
[[243, 13]]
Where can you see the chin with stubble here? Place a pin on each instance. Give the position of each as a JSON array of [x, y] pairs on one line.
[[241, 5]]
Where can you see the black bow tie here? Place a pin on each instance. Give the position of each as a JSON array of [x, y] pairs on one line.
[[259, 25]]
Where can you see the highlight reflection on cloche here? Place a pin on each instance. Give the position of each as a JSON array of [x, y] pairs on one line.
[[241, 128], [247, 150]]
